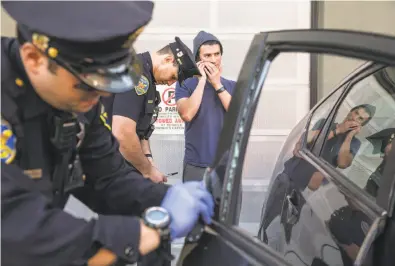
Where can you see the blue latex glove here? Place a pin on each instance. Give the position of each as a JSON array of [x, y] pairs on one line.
[[185, 202]]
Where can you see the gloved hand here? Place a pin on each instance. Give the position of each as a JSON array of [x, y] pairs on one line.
[[185, 202]]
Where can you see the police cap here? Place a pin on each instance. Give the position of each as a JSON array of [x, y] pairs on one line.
[[381, 139], [187, 66], [92, 40]]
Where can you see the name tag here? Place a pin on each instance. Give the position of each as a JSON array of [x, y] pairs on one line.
[[34, 173]]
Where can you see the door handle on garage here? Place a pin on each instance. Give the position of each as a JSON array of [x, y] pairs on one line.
[[292, 212]]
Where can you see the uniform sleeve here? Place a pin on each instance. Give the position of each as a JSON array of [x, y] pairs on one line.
[[33, 233], [182, 91], [121, 189], [128, 104]]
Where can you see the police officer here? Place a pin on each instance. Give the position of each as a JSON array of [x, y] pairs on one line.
[[134, 112], [56, 146], [384, 139]]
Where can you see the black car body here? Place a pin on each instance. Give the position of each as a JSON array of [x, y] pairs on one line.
[[331, 197], [319, 212]]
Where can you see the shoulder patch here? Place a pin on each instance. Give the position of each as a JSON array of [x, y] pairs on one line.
[[142, 87], [8, 143]]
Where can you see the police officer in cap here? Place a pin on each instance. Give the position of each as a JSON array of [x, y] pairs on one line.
[[133, 113], [382, 142], [56, 146]]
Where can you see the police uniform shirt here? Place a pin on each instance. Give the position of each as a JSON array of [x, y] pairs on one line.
[[134, 103], [36, 233]]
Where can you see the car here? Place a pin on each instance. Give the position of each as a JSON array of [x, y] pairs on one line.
[[332, 192]]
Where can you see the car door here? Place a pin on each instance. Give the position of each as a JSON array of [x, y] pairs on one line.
[[322, 210], [317, 212], [224, 242]]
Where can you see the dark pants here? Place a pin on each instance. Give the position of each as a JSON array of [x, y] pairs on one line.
[[192, 173], [195, 173]]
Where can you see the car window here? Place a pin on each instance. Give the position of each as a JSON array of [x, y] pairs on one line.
[[268, 135], [318, 119], [360, 135]]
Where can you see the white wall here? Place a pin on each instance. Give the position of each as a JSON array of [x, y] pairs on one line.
[[370, 16]]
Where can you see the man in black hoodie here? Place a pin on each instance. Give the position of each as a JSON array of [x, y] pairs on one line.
[[202, 103]]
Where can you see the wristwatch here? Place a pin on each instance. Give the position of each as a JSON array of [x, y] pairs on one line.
[[159, 219], [222, 89]]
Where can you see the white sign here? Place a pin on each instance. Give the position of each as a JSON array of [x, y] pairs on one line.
[[169, 121]]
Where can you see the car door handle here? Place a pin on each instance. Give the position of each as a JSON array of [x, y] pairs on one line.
[[292, 212]]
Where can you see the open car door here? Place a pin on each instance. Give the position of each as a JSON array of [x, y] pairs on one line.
[[223, 242]]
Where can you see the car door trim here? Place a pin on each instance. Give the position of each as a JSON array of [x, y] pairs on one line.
[[252, 248], [375, 230], [362, 45], [386, 195], [346, 186]]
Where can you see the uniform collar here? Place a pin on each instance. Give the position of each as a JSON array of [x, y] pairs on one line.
[[147, 65]]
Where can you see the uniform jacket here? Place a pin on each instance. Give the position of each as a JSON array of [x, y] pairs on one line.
[[34, 231]]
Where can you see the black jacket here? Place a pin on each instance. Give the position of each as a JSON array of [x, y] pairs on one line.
[[34, 231]]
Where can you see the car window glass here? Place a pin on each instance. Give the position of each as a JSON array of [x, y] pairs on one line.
[[360, 135], [318, 120], [270, 127]]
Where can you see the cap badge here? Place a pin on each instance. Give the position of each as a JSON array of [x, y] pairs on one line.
[[40, 41]]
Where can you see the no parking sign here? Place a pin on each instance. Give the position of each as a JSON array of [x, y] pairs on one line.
[[169, 121], [169, 97]]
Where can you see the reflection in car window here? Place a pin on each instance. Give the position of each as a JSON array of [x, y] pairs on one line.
[[317, 119], [308, 218], [360, 136]]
